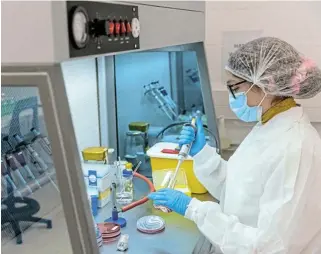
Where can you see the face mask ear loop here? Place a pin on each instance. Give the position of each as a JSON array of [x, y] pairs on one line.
[[265, 94], [249, 89], [262, 99]]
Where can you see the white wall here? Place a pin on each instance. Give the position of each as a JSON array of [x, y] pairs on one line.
[[230, 23], [81, 85], [20, 35]]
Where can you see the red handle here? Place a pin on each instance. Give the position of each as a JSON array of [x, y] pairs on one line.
[[144, 199], [170, 151]]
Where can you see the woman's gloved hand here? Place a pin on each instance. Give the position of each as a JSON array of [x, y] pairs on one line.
[[187, 136], [173, 199]]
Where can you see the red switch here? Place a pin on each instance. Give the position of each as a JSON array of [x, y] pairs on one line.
[[111, 28], [117, 27], [128, 27], [122, 27]]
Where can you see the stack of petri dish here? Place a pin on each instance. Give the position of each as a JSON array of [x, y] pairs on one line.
[[110, 231]]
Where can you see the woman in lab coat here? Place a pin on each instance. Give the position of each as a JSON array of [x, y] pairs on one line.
[[269, 190]]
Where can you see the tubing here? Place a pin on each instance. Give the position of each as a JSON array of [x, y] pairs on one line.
[[144, 199]]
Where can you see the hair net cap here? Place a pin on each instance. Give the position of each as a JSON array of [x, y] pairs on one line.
[[276, 67]]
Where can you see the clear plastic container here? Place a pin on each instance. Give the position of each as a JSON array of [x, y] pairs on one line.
[[134, 147], [161, 179], [125, 192], [164, 161]]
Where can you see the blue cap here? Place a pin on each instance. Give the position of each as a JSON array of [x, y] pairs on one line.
[[127, 172]]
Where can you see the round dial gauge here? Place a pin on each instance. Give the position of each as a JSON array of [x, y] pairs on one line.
[[79, 27], [135, 27]]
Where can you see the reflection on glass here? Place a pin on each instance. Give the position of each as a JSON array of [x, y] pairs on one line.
[[160, 89], [134, 147], [31, 208]]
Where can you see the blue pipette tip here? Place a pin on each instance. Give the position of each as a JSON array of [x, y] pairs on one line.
[[120, 221]]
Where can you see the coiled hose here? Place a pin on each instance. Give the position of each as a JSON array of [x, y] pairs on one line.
[[142, 200]]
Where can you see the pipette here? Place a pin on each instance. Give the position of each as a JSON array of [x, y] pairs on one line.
[[19, 156], [5, 174], [182, 155], [36, 159], [33, 154], [44, 142]]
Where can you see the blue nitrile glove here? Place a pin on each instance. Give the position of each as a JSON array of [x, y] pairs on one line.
[[188, 135], [173, 199]]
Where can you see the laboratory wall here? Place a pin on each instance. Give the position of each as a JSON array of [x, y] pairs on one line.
[[81, 84], [183, 5], [230, 24]]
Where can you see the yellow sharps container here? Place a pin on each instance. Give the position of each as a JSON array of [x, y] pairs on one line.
[[165, 161]]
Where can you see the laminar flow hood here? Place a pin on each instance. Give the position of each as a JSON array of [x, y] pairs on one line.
[[79, 74], [46, 32]]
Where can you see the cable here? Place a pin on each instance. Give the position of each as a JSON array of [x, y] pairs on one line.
[[161, 133]]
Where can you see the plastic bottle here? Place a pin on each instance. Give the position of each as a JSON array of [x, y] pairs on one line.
[[125, 195]]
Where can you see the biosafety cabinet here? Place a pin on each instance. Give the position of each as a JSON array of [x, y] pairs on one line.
[[79, 74]]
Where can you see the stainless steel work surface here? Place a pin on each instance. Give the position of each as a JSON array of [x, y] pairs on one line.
[[179, 237]]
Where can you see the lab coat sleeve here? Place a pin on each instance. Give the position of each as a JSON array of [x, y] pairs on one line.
[[210, 170], [289, 217]]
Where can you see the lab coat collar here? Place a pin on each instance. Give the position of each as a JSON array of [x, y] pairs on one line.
[[280, 123]]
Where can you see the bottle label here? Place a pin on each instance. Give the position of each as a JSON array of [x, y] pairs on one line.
[[92, 177]]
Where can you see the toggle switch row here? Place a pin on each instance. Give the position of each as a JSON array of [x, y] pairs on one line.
[[120, 27], [111, 28]]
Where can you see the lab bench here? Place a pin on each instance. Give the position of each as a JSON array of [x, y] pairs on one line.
[[179, 237]]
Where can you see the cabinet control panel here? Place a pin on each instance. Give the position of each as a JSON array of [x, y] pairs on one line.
[[98, 28]]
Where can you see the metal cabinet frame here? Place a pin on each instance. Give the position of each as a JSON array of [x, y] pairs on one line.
[[51, 87]]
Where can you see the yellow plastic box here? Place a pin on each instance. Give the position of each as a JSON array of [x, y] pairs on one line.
[[94, 154], [163, 161]]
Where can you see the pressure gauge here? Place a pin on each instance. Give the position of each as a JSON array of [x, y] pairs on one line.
[[80, 27], [135, 27]]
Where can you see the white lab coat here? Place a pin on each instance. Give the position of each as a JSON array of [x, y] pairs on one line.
[[269, 190]]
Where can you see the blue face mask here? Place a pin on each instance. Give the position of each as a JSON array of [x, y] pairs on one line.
[[244, 112]]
